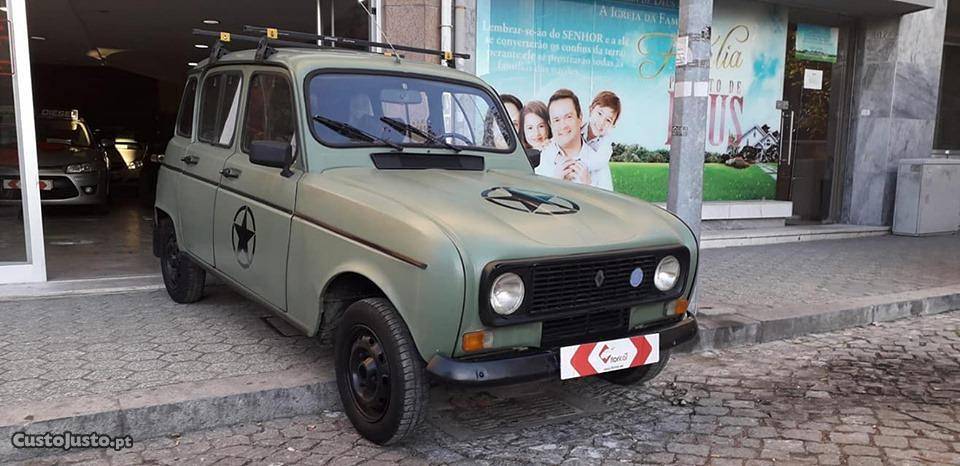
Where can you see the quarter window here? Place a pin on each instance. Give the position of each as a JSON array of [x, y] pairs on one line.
[[185, 120], [269, 115], [219, 105]]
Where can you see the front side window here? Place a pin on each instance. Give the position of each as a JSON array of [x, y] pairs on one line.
[[269, 115], [219, 106], [185, 120], [354, 109]]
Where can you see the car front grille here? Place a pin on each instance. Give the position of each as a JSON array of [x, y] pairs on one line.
[[590, 326], [586, 284]]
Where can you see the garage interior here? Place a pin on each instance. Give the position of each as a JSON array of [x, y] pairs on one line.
[[122, 66]]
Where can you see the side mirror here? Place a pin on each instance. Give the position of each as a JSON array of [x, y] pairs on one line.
[[533, 156], [274, 154]]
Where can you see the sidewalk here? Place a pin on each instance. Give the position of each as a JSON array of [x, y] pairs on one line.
[[141, 364]]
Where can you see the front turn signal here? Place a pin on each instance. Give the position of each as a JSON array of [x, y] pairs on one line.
[[476, 341]]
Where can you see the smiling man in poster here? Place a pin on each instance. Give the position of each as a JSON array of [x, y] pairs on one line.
[[568, 156]]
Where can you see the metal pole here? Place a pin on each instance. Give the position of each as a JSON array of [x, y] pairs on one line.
[[690, 109]]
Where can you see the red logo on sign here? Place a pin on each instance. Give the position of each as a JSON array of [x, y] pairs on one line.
[[604, 358]]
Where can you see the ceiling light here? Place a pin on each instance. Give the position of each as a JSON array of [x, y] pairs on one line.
[[192, 64], [211, 21], [38, 38], [201, 46]]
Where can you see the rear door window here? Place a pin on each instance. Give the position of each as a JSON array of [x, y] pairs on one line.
[[219, 107], [269, 114], [185, 120]]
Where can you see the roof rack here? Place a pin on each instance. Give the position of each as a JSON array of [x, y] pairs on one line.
[[279, 34], [281, 37], [264, 49]]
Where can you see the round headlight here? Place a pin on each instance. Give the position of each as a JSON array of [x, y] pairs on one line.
[[506, 294], [667, 274]]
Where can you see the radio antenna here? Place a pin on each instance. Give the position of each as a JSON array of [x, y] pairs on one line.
[[376, 22]]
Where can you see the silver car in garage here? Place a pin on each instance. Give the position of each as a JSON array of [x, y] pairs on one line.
[[74, 169]]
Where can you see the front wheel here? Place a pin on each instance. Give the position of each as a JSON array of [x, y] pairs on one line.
[[183, 278], [380, 375], [637, 375]]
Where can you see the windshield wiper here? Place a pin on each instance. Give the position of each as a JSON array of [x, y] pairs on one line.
[[353, 132], [410, 129]]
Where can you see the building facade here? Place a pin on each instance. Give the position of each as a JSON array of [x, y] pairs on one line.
[[822, 98]]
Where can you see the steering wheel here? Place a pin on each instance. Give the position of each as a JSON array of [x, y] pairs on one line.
[[459, 136]]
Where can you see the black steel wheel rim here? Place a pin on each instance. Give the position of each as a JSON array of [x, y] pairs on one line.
[[172, 263], [369, 374]]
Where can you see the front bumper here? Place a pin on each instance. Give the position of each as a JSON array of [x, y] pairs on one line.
[[68, 189], [541, 364]]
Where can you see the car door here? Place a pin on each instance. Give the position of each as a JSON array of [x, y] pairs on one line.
[[254, 206], [220, 95]]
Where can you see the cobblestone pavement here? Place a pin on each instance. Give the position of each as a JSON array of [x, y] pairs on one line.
[[821, 272], [61, 348], [884, 394]]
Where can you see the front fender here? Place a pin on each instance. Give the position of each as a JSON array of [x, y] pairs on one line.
[[430, 300]]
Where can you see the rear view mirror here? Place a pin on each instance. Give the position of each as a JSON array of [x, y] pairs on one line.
[[401, 96], [533, 156], [274, 154]]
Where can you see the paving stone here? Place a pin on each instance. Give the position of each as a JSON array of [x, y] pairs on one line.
[[885, 383]]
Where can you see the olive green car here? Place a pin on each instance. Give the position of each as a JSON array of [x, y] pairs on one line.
[[389, 206]]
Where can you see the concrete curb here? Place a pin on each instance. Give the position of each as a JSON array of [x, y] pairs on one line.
[[81, 287], [715, 239], [156, 412], [727, 328]]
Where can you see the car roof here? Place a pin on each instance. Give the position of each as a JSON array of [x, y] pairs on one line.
[[305, 60]]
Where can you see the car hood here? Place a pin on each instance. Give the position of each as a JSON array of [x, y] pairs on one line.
[[59, 157], [508, 214]]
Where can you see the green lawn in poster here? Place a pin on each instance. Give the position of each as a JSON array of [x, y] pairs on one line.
[[648, 181]]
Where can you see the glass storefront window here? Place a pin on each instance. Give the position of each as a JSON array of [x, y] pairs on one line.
[[948, 114], [12, 241], [21, 230]]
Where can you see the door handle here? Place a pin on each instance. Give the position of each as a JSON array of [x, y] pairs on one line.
[[230, 173], [190, 160]]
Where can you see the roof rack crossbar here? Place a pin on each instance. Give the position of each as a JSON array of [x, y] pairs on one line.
[[250, 39], [336, 40]]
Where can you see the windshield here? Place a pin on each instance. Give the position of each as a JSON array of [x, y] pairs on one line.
[[62, 132], [370, 109]]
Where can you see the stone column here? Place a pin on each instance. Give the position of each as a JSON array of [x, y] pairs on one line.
[[690, 107], [465, 33], [895, 96], [413, 22]]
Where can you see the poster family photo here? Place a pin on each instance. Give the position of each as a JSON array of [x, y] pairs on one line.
[[613, 62]]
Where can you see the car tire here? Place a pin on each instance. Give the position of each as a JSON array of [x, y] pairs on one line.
[[637, 375], [183, 278], [380, 375]]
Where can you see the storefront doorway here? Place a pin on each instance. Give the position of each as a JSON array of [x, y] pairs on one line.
[[101, 82], [816, 90]]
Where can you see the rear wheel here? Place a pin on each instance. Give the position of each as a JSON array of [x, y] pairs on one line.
[[380, 375], [183, 278], [637, 375]]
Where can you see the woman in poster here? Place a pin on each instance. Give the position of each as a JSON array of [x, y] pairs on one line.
[[513, 106], [535, 126]]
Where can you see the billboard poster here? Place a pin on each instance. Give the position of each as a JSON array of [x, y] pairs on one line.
[[817, 43], [617, 57]]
